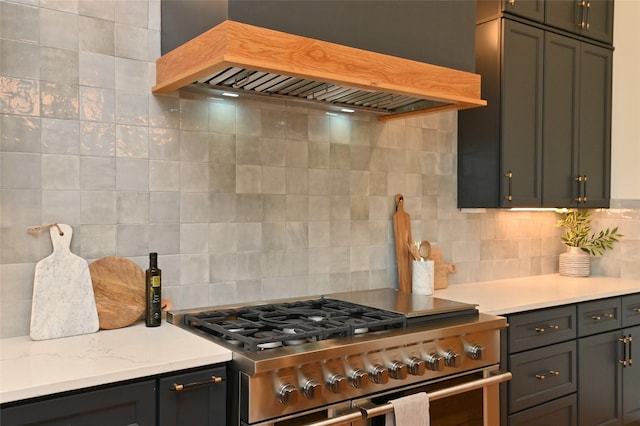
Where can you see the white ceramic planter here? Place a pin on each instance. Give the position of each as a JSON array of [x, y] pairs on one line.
[[575, 263]]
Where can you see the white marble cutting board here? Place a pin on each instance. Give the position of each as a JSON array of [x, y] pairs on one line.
[[63, 301]]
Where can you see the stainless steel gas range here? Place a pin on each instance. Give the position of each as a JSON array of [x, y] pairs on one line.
[[338, 359]]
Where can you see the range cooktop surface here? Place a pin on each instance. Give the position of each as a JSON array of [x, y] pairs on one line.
[[258, 326], [411, 305]]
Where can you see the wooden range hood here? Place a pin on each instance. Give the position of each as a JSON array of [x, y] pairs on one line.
[[244, 58]]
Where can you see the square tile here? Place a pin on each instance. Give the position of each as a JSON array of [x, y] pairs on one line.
[[97, 139], [19, 133], [19, 59], [19, 22], [60, 171], [97, 173], [51, 21]]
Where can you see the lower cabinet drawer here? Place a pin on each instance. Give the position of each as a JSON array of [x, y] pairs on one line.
[[559, 412], [540, 375], [631, 310], [599, 316]]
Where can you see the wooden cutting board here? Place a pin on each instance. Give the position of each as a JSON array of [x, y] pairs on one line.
[[118, 284], [402, 235], [63, 303], [441, 269]]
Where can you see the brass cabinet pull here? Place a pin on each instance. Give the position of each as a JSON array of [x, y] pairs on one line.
[[178, 387], [551, 373], [579, 180], [582, 23], [509, 175], [551, 327], [587, 8], [602, 316], [628, 360], [582, 189], [636, 310]]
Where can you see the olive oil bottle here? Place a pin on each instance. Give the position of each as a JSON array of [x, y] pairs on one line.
[[153, 314]]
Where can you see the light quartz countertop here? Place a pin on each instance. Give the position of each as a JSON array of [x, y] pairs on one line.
[[508, 296], [35, 368], [31, 368]]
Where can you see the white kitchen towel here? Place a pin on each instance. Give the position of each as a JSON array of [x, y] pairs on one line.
[[410, 410]]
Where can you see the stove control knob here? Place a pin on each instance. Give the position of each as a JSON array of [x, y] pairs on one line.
[[359, 379], [312, 389], [288, 394], [337, 383], [475, 352], [398, 370], [379, 374], [451, 359], [434, 362], [416, 366]]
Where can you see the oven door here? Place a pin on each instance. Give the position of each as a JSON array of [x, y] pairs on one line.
[[470, 399]]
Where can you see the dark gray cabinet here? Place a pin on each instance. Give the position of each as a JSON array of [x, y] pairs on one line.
[[544, 140], [542, 356], [631, 379], [121, 405], [609, 382], [577, 113], [155, 401], [588, 18], [530, 9], [573, 365], [194, 398], [561, 411], [500, 145], [600, 380]]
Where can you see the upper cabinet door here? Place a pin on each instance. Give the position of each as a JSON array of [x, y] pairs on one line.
[[588, 18], [561, 97], [577, 123], [522, 72], [595, 125]]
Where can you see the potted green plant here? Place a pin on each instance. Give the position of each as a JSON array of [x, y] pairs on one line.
[[582, 242]]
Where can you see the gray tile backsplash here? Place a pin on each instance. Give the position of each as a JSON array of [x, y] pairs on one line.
[[243, 200]]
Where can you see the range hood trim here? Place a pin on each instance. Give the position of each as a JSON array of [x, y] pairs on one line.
[[234, 44]]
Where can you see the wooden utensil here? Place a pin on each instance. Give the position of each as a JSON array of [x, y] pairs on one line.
[[118, 284], [413, 250], [441, 269], [63, 303], [425, 249], [402, 235]]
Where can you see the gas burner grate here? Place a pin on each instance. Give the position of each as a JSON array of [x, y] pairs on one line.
[[262, 327]]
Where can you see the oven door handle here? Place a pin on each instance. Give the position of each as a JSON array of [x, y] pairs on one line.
[[350, 417], [379, 410]]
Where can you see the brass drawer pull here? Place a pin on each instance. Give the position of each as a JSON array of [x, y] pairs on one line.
[[551, 373], [551, 327], [178, 387], [599, 317], [636, 310]]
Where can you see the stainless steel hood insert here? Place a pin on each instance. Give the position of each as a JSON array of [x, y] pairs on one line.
[[239, 57]]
